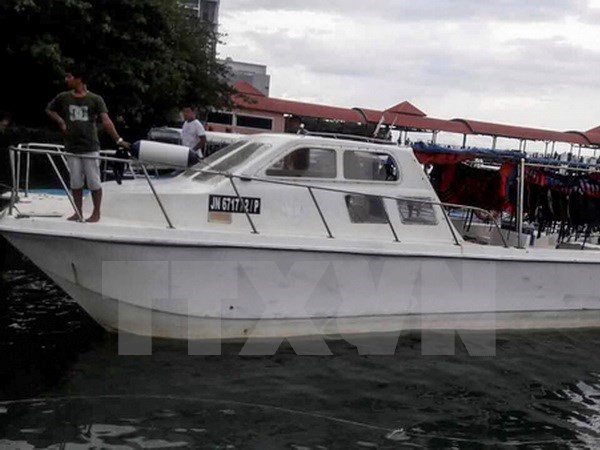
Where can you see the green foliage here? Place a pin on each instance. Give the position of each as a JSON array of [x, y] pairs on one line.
[[145, 57]]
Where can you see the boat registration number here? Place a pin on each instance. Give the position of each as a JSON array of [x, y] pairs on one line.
[[238, 205]]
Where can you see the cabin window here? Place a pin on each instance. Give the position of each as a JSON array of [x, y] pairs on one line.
[[369, 166], [228, 159], [220, 118], [261, 123], [414, 212], [366, 209], [306, 163], [214, 158]]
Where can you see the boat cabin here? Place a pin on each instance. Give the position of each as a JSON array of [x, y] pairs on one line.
[[298, 186]]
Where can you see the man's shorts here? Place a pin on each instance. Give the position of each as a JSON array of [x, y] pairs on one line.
[[84, 169]]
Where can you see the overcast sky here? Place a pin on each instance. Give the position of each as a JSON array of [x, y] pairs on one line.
[[525, 62]]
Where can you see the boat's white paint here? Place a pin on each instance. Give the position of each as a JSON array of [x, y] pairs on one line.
[[215, 279], [354, 291], [116, 315]]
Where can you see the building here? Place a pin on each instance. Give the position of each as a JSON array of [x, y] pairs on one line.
[[253, 74], [255, 112], [205, 10]]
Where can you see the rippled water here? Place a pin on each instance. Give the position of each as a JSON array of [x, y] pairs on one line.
[[63, 385]]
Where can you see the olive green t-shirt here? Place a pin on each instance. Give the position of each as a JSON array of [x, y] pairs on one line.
[[81, 115]]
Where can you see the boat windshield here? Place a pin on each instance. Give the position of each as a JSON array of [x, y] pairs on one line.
[[225, 160], [209, 160]]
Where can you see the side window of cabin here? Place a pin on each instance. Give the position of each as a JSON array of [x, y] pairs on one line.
[[366, 209], [414, 212], [261, 123], [306, 163], [369, 166]]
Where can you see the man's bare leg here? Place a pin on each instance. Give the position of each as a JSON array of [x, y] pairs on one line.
[[97, 200], [78, 199]]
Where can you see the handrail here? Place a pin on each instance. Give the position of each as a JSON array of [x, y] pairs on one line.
[[243, 203], [591, 169], [18, 170], [27, 172], [14, 193], [387, 197], [161, 206], [64, 186], [301, 185], [349, 137], [63, 155], [396, 239], [39, 146], [314, 199]]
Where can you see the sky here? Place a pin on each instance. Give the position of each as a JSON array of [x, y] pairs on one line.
[[523, 62]]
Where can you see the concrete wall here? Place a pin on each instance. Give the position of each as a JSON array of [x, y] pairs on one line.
[[278, 123], [253, 74]]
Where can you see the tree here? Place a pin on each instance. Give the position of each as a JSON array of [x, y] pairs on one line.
[[145, 57]]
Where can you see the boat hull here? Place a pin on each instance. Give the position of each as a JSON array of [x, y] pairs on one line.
[[205, 292]]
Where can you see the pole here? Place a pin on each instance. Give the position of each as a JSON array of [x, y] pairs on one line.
[[237, 193], [521, 204], [65, 188], [13, 192], [314, 199], [18, 171], [160, 205], [27, 170]]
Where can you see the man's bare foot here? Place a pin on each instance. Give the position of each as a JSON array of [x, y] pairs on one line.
[[94, 218], [74, 218]]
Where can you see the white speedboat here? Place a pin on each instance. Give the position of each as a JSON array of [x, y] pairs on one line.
[[283, 235]]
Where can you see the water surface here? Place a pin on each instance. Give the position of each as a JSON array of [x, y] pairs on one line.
[[63, 385]]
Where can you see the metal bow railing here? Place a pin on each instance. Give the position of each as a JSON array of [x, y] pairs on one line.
[[57, 151]]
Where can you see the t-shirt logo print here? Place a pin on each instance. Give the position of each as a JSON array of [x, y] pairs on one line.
[[79, 113]]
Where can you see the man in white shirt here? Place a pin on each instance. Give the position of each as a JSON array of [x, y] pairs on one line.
[[193, 135]]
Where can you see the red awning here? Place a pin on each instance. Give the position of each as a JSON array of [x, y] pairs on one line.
[[250, 98], [405, 116], [514, 132]]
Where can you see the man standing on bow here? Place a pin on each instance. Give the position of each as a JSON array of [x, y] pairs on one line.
[[193, 134], [77, 112]]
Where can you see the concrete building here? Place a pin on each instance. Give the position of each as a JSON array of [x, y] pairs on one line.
[[205, 10], [253, 74]]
